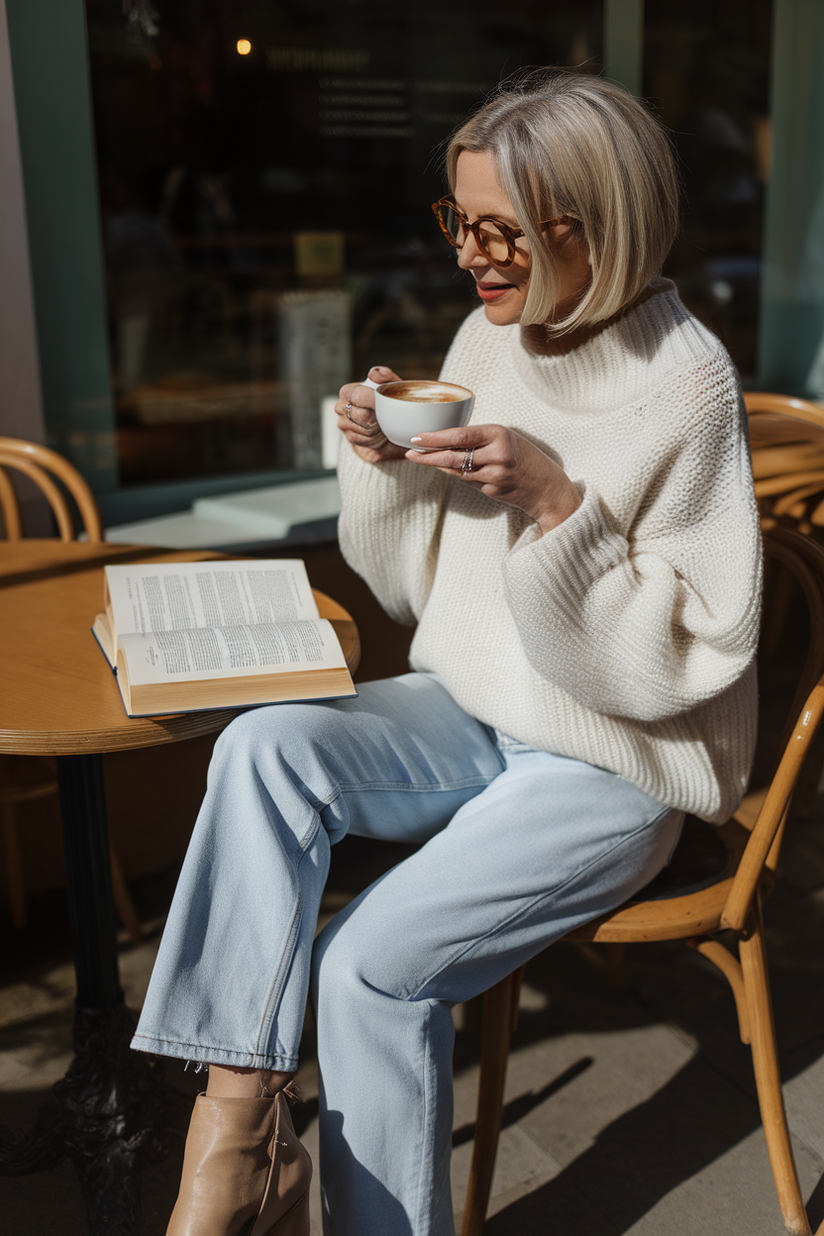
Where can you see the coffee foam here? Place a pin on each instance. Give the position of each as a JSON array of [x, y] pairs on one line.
[[424, 392]]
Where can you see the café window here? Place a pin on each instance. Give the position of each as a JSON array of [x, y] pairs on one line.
[[265, 174], [707, 75]]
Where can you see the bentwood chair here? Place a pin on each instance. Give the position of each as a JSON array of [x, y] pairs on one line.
[[716, 882], [787, 444], [24, 778]]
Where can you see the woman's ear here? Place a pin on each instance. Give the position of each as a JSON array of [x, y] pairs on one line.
[[565, 234]]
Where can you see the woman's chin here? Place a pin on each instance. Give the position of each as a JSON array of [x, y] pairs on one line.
[[501, 314]]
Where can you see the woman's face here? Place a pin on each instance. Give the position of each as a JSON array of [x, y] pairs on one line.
[[503, 289]]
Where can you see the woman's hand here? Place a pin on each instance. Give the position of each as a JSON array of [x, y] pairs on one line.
[[505, 466], [356, 419]]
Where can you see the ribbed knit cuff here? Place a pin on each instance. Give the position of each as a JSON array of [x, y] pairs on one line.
[[388, 518], [562, 564]]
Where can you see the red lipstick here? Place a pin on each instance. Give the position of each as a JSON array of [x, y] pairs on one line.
[[493, 291]]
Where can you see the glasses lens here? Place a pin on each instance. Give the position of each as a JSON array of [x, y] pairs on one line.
[[453, 223], [492, 241]]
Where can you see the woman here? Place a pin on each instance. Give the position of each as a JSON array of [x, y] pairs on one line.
[[583, 565]]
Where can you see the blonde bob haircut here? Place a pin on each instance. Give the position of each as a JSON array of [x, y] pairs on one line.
[[567, 143]]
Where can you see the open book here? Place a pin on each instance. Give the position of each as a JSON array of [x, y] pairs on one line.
[[186, 636]]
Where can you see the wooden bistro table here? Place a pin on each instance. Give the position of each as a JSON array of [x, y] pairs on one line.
[[58, 697]]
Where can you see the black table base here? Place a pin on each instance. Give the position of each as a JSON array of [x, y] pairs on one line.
[[104, 1110]]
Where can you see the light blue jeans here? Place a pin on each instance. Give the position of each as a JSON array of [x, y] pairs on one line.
[[517, 848]]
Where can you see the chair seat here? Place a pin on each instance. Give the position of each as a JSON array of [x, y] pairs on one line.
[[700, 858], [686, 899], [672, 918]]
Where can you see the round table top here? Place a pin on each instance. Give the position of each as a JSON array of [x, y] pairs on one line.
[[58, 693]]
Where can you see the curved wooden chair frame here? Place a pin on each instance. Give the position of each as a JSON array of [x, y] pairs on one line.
[[731, 902], [765, 402], [787, 439], [40, 465], [787, 447], [24, 779]]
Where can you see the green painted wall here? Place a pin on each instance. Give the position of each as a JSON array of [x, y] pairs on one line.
[[623, 42], [791, 352], [51, 85]]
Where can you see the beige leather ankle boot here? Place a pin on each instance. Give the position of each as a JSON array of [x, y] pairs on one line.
[[244, 1171]]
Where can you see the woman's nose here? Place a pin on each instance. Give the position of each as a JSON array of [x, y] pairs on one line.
[[470, 255]]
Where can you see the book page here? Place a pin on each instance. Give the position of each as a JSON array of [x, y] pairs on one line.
[[180, 596], [230, 651], [103, 635]]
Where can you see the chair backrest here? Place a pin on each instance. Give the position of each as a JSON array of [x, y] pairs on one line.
[[805, 558], [764, 403], [41, 465], [787, 444]]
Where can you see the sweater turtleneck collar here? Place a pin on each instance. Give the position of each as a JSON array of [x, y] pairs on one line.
[[539, 339], [632, 350]]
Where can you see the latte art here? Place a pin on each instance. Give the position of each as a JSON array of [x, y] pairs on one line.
[[406, 409], [424, 392]]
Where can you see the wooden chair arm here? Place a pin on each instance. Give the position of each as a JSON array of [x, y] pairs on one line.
[[771, 815]]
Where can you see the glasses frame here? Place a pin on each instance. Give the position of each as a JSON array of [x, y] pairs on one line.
[[509, 234]]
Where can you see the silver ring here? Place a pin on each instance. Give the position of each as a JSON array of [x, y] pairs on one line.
[[370, 430], [466, 466]]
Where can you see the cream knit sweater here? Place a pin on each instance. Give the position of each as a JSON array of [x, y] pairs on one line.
[[625, 637]]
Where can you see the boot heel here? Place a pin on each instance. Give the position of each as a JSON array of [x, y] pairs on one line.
[[295, 1222], [284, 1210]]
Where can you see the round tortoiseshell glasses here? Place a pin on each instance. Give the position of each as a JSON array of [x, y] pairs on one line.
[[496, 240]]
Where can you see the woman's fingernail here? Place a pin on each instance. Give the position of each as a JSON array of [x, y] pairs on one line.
[[417, 439]]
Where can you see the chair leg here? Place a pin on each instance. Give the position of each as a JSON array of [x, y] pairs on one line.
[[500, 1006], [721, 957], [14, 867], [17, 886], [615, 965], [122, 899], [768, 1078]]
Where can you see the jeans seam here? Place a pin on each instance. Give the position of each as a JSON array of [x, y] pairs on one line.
[[425, 1139], [441, 787], [278, 984], [536, 901]]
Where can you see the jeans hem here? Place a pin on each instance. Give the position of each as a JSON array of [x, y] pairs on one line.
[[214, 1055]]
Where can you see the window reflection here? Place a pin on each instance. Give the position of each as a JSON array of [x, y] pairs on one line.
[[707, 71], [265, 172]]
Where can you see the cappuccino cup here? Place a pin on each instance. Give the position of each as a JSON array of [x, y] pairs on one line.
[[404, 409]]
